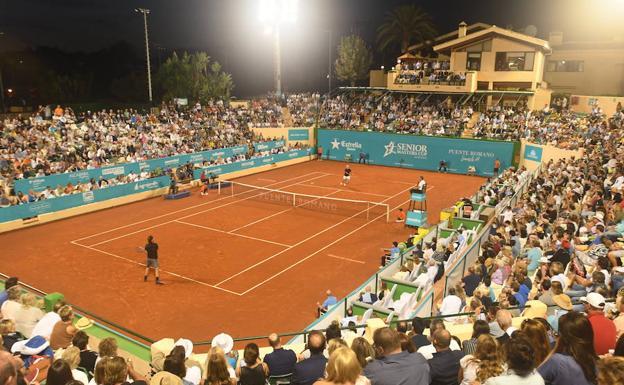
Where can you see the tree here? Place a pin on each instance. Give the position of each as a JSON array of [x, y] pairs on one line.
[[404, 26], [193, 76], [354, 59]]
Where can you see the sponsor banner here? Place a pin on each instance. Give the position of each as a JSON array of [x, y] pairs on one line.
[[65, 202], [533, 153], [108, 172], [420, 152], [267, 146], [251, 163], [295, 134]]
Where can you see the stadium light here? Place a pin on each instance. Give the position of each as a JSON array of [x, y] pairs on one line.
[[272, 14]]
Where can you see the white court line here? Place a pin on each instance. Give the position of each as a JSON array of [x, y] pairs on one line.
[[339, 189], [163, 271], [266, 180], [188, 216], [325, 247], [346, 259], [187, 208], [231, 233], [278, 213], [304, 240]]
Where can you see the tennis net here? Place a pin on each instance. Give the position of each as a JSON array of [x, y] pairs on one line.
[[339, 206]]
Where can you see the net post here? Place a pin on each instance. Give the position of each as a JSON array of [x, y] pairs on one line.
[[387, 213], [294, 196], [232, 188], [219, 188]]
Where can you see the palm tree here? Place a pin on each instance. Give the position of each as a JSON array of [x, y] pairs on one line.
[[403, 26]]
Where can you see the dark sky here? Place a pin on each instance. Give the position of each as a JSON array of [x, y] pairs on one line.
[[230, 32]]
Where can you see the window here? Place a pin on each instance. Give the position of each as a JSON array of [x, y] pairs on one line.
[[565, 66], [514, 61], [473, 61]]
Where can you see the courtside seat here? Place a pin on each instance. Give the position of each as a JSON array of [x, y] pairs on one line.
[[359, 308], [403, 286]]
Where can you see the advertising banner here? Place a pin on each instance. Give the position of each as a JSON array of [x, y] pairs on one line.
[[267, 146], [419, 152], [295, 134], [533, 153], [65, 202]]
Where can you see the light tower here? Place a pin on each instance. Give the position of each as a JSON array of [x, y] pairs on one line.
[[146, 12], [272, 14]]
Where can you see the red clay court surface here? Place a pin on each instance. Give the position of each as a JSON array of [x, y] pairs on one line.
[[230, 264]]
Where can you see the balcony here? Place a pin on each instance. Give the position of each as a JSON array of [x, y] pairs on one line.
[[441, 81]]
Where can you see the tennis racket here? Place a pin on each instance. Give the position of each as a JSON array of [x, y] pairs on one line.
[[140, 249]]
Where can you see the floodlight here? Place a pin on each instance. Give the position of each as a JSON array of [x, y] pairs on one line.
[[272, 12]]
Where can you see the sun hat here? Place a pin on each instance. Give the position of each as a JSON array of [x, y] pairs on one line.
[[563, 301], [187, 345], [165, 378], [594, 300], [224, 341], [535, 309], [84, 323], [544, 260]]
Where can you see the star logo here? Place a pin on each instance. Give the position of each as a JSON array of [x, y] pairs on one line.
[[389, 149], [335, 144]]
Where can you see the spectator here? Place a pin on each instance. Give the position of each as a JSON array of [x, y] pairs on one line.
[[218, 372], [59, 373], [484, 363], [574, 359], [9, 334], [451, 304], [28, 315], [444, 366], [427, 351], [406, 343], [46, 324], [9, 283], [504, 319], [604, 328], [107, 347], [87, 357], [479, 328], [471, 281], [254, 372], [115, 370], [418, 339], [537, 335], [343, 368], [311, 369], [329, 301], [71, 355], [520, 363], [63, 331], [393, 366], [12, 304], [8, 369], [178, 363], [368, 297], [611, 371], [280, 361], [363, 351]]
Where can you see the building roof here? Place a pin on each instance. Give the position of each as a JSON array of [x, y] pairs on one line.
[[451, 35], [490, 32]]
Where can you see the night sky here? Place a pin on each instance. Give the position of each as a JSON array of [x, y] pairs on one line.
[[231, 33]]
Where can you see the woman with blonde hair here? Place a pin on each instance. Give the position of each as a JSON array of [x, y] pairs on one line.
[[217, 370], [27, 315], [72, 356], [363, 350], [610, 371], [343, 368], [486, 362], [334, 344], [538, 335]]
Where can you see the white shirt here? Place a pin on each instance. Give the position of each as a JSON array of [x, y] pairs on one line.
[[469, 367], [511, 378], [9, 308], [80, 376], [451, 304], [428, 350], [422, 184], [46, 324]]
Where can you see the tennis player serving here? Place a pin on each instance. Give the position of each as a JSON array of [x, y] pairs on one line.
[[151, 248], [346, 177]]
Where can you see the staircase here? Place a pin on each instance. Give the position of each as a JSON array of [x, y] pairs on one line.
[[468, 133]]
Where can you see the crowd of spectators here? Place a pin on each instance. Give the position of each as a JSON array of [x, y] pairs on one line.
[[427, 72], [60, 141]]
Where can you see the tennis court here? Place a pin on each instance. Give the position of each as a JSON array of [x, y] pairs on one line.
[[269, 244]]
